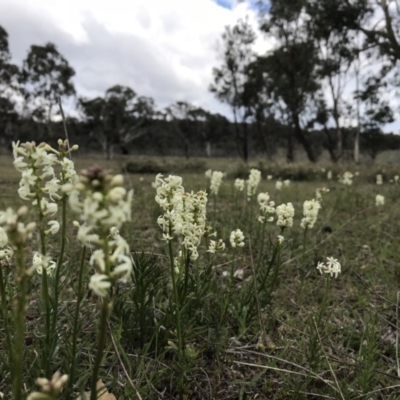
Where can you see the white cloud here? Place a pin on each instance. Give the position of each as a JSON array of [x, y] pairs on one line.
[[164, 49]]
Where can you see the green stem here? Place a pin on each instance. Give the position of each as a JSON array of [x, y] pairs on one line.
[[324, 301], [100, 348], [4, 305], [58, 272], [20, 319], [46, 347], [41, 227], [76, 327], [176, 299]]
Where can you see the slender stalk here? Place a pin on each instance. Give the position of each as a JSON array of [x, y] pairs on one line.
[[46, 348], [20, 323], [75, 332], [176, 299], [100, 348], [214, 209], [4, 307], [103, 321], [41, 227], [324, 301], [58, 271]]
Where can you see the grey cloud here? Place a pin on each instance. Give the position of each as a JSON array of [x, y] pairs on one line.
[[109, 58]]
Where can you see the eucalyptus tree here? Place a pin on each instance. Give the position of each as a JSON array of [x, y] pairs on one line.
[[230, 77], [291, 68], [331, 23], [258, 98], [10, 88], [48, 77], [118, 118]]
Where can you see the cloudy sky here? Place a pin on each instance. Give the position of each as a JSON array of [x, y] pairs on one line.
[[165, 49]]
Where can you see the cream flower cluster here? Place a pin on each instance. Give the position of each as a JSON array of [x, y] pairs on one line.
[[285, 214], [216, 180], [253, 182], [379, 179], [37, 164], [239, 184], [119, 258], [237, 238], [41, 262], [319, 192], [346, 178], [267, 208], [102, 202], [104, 207], [332, 267], [310, 213], [14, 232], [379, 200], [216, 246], [49, 390], [44, 170], [184, 213]]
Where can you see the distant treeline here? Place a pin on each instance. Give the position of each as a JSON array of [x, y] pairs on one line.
[[189, 138]]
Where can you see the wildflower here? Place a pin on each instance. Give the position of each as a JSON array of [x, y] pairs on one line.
[[332, 267], [41, 262], [237, 238], [346, 178], [239, 184], [285, 213], [329, 175], [122, 268], [86, 235], [216, 246], [3, 237], [319, 192], [286, 182], [184, 213], [278, 185], [49, 389], [253, 182], [54, 228], [100, 284], [269, 177], [262, 198], [216, 180], [6, 254], [396, 178], [208, 173], [267, 209], [379, 179], [310, 212], [280, 239], [379, 200]]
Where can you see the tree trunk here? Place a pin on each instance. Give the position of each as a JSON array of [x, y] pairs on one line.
[[356, 154], [303, 139], [331, 145], [245, 143], [290, 148], [208, 148], [108, 150], [263, 140]]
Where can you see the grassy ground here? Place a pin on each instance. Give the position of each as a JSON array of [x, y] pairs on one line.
[[290, 333]]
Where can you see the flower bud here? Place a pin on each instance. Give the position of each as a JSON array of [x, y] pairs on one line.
[[23, 211], [117, 180]]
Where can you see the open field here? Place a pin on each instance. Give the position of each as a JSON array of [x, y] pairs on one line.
[[251, 322]]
